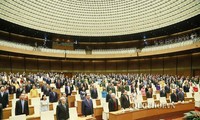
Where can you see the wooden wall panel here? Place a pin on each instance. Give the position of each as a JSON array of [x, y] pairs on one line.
[[31, 64], [133, 66], [88, 66], [99, 65], [196, 61], [184, 65], [5, 63], [44, 65], [55, 65], [157, 66], [145, 65], [122, 65], [78, 65], [67, 65], [18, 64], [170, 65], [111, 66]]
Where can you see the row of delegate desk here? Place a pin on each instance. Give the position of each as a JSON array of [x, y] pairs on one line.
[[153, 113]]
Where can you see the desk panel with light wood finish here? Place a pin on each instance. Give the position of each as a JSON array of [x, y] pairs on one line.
[[7, 112], [156, 113]]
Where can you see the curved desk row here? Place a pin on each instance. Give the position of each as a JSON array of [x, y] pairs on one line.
[[154, 114]]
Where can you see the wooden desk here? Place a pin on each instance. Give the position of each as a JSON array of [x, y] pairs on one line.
[[7, 112], [86, 118], [98, 112], [35, 117], [11, 96], [71, 100], [74, 92], [155, 113]]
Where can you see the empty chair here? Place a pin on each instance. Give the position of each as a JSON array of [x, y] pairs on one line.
[[47, 115], [94, 103], [18, 117], [13, 106], [73, 113]]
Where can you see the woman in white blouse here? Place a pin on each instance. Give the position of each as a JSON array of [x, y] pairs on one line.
[[44, 103]]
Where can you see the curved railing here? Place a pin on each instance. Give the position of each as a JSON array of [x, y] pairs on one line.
[[100, 53]]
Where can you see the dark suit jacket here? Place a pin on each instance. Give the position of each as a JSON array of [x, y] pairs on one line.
[[47, 92], [94, 94], [53, 98], [167, 89], [108, 97], [125, 103], [1, 112], [4, 99], [186, 88], [19, 92], [59, 86], [87, 108], [163, 93], [12, 89], [62, 113], [174, 98], [66, 90], [112, 106], [149, 94], [28, 88], [18, 108], [181, 96]]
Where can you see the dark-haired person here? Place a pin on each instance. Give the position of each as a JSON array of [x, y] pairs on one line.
[[87, 106], [53, 96], [21, 106], [3, 97], [174, 96], [125, 102], [44, 103]]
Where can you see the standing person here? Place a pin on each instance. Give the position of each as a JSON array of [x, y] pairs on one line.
[[174, 96], [21, 106], [113, 103], [108, 96], [181, 95], [149, 93], [125, 102], [19, 91], [34, 92], [62, 110], [94, 93], [3, 98], [87, 106], [44, 103], [53, 96]]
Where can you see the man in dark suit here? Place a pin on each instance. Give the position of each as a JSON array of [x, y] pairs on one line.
[[59, 84], [1, 112], [113, 103], [12, 89], [47, 90], [68, 89], [163, 92], [181, 95], [149, 93], [125, 102], [28, 87], [21, 106], [62, 110], [174, 96], [3, 97], [108, 96], [87, 106], [53, 96], [19, 91], [94, 93]]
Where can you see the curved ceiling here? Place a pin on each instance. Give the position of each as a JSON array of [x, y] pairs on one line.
[[97, 17]]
